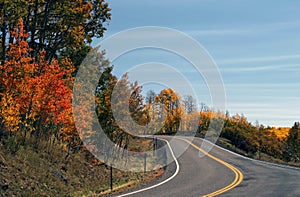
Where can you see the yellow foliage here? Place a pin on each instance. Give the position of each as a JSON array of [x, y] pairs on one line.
[[10, 112], [280, 132]]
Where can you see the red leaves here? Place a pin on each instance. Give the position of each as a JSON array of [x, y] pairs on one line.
[[34, 89]]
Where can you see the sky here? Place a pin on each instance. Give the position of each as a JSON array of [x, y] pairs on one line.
[[255, 45]]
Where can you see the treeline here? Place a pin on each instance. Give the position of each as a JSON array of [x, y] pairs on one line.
[[183, 116], [257, 139]]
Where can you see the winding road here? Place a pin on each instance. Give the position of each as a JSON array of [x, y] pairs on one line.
[[220, 173]]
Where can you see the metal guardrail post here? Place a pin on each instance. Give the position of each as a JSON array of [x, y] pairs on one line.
[[145, 162], [111, 177]]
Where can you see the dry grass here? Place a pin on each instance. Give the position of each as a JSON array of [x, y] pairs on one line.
[[37, 173]]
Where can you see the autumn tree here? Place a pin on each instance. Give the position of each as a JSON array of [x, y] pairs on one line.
[[119, 108], [62, 28], [36, 96], [103, 101], [137, 107], [129, 104], [204, 121], [172, 105]]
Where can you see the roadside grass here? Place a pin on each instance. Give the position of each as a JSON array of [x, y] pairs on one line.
[[32, 172]]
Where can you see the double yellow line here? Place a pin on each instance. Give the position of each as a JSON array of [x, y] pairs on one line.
[[238, 174]]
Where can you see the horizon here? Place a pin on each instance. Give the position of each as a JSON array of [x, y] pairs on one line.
[[257, 52]]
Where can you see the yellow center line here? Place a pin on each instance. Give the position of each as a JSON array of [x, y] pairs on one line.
[[238, 174]]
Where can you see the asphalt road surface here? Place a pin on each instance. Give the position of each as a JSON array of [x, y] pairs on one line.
[[222, 173]]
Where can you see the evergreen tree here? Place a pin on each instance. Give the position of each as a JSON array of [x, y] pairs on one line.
[[292, 144]]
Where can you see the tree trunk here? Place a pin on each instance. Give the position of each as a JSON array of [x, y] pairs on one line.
[[3, 31], [33, 29]]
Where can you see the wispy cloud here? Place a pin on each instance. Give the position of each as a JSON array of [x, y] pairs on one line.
[[244, 30], [262, 85], [278, 67], [259, 59]]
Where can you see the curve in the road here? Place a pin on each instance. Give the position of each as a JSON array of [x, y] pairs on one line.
[[237, 180], [163, 182], [238, 174]]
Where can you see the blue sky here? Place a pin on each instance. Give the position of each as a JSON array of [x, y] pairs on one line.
[[255, 44]]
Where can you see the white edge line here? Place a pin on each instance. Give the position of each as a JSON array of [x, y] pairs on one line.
[[251, 159], [163, 182]]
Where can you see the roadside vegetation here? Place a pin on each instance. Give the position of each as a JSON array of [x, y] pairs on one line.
[[42, 44], [40, 172]]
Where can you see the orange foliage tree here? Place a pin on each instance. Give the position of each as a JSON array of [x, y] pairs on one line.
[[171, 103], [36, 94]]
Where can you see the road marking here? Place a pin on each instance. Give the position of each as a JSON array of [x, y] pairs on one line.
[[238, 174], [163, 182]]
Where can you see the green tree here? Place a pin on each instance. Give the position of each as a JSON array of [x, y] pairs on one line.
[[292, 144], [62, 28]]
